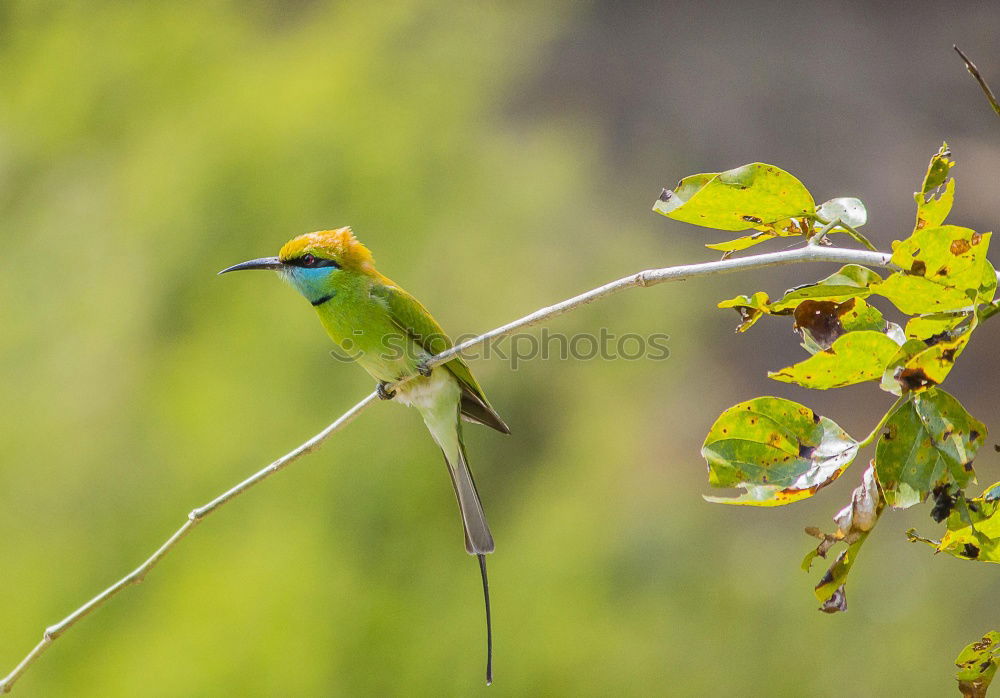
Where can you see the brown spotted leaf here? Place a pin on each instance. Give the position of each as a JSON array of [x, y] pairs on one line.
[[927, 443], [850, 281], [777, 450], [821, 322], [935, 326], [853, 358], [750, 309], [944, 269], [924, 362], [974, 528], [977, 665], [757, 197]]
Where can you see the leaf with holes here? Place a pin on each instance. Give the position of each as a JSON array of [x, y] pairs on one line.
[[974, 528], [756, 196], [750, 308], [854, 358], [977, 665], [777, 450], [937, 194], [928, 442]]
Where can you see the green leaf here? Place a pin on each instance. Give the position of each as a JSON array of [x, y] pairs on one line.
[[977, 665], [974, 528], [856, 314], [750, 308], [854, 523], [929, 441], [853, 358], [989, 285], [777, 450], [943, 269], [755, 196], [849, 281], [848, 209], [933, 202]]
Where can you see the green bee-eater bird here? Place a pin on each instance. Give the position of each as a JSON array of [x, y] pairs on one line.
[[392, 335]]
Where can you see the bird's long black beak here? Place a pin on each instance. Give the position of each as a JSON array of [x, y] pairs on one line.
[[272, 263]]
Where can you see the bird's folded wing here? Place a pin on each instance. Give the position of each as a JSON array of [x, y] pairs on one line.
[[415, 321]]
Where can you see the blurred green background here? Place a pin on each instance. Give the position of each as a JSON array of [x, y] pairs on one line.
[[496, 157]]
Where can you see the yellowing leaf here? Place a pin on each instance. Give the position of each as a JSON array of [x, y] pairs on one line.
[[748, 241], [750, 308], [974, 529], [755, 196], [934, 325], [853, 358], [777, 450], [944, 269], [850, 281], [915, 294], [933, 364], [927, 359]]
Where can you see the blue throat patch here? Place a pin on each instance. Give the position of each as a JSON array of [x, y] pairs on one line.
[[313, 283]]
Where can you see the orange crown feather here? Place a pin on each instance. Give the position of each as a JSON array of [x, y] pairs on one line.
[[339, 245]]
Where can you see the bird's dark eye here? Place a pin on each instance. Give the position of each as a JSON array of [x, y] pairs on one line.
[[311, 261]]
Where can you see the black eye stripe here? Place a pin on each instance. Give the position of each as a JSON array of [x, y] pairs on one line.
[[309, 261]]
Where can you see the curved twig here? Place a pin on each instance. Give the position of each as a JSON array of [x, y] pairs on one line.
[[974, 71], [650, 277]]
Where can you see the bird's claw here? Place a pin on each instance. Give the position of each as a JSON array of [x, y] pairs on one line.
[[382, 389], [424, 370]]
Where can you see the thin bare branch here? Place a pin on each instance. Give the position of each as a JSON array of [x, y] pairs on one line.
[[971, 67], [646, 278]]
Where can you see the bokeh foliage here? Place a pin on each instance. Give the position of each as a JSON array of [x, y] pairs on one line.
[[143, 147]]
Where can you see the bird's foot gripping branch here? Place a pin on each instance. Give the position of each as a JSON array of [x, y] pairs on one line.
[[777, 451]]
